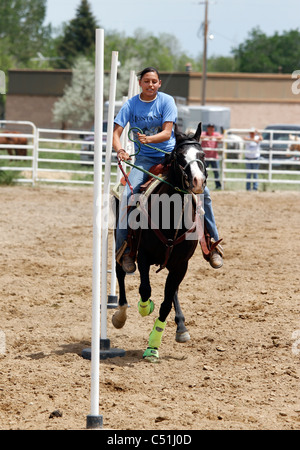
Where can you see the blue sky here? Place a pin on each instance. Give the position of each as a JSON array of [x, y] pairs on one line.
[[229, 20]]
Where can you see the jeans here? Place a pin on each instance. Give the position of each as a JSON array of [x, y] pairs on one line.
[[252, 166], [136, 179], [215, 165]]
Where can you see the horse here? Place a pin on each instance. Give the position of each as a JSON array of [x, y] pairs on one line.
[[294, 148], [169, 248], [12, 140]]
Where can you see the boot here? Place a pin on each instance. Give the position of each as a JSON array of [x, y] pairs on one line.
[[215, 259], [128, 265]]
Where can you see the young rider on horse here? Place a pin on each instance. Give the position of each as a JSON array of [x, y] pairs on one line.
[[155, 113]]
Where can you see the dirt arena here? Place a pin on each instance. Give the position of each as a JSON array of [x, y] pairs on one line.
[[240, 370]]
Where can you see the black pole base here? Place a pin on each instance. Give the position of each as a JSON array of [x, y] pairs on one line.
[[105, 351], [112, 301], [94, 422]]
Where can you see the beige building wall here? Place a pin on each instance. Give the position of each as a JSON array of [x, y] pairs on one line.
[[34, 108], [259, 115], [254, 99]]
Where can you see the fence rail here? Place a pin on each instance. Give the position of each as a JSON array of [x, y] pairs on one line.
[[66, 156]]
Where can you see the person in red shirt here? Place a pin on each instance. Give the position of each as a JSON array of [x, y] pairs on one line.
[[209, 142]]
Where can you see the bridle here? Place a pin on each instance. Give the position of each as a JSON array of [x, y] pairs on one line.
[[184, 176]]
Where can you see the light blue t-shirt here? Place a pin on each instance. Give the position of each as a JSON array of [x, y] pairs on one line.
[[149, 117]]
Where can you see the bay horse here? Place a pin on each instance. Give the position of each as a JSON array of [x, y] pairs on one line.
[[13, 140], [170, 248]]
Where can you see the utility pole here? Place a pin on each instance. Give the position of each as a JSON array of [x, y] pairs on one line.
[[204, 54]]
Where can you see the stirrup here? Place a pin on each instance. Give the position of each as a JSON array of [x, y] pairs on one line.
[[120, 252]]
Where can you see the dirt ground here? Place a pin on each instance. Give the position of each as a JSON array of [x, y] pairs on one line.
[[240, 370]]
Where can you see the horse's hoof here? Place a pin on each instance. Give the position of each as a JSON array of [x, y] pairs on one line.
[[151, 355], [119, 317], [182, 337]]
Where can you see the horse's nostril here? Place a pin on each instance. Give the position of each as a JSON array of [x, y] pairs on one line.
[[198, 181]]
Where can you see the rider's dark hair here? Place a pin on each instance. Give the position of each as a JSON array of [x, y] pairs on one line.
[[146, 70]]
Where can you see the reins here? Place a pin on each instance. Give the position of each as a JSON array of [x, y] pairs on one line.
[[176, 188], [140, 168]]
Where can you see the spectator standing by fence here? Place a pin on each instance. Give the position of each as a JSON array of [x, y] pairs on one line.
[[209, 142], [252, 154]]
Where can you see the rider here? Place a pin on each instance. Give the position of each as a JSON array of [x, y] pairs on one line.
[[155, 113]]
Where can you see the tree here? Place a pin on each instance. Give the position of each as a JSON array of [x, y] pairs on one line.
[[22, 32], [162, 51], [76, 107], [78, 37], [263, 54], [221, 64]]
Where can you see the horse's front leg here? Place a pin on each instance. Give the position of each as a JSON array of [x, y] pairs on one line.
[[182, 334], [120, 316]]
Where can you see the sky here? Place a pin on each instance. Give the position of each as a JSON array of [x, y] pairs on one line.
[[229, 21]]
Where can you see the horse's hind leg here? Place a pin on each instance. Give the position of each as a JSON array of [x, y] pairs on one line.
[[173, 281], [120, 316], [182, 334], [145, 305], [171, 291]]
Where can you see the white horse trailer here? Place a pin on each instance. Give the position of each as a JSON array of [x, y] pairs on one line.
[[191, 115]]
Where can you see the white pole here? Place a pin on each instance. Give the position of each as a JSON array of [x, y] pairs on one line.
[[106, 191], [94, 420], [131, 88]]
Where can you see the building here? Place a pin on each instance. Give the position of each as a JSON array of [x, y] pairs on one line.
[[254, 99]]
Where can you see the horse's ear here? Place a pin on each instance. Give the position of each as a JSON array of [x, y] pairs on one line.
[[198, 132], [178, 134]]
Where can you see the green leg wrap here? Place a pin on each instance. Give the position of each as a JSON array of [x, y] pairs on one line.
[[156, 334], [145, 308], [151, 354]]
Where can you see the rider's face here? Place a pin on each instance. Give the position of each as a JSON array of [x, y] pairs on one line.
[[150, 84]]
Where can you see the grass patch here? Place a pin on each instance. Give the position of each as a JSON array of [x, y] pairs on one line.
[[8, 177]]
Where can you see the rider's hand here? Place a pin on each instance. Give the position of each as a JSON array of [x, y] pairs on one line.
[[142, 138], [123, 155]]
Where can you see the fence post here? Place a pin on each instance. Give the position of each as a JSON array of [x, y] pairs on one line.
[[222, 171], [35, 152], [270, 157]]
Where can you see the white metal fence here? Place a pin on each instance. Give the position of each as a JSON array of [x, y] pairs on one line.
[[66, 156], [11, 162], [278, 163], [53, 156], [63, 156]]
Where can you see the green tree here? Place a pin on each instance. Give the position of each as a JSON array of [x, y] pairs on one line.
[[263, 54], [162, 51], [221, 64], [78, 36], [76, 107], [22, 32]]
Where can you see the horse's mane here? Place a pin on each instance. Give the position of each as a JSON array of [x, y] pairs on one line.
[[180, 137]]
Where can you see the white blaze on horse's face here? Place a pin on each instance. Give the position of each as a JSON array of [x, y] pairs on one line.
[[198, 177]]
